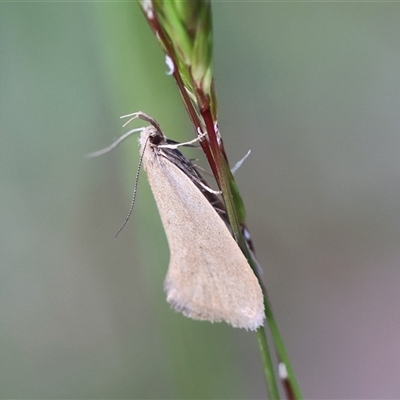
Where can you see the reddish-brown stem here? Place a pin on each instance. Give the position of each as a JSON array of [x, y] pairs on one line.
[[155, 26]]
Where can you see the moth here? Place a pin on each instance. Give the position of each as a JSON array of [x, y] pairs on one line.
[[208, 276]]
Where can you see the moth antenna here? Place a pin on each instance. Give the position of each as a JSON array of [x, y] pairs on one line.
[[135, 187], [114, 144]]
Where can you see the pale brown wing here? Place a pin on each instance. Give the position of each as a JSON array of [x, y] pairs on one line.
[[208, 276]]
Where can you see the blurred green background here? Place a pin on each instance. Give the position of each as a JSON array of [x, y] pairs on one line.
[[312, 88]]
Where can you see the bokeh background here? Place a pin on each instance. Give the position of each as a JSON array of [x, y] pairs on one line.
[[312, 88]]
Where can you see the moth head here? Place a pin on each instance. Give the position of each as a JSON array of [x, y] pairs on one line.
[[153, 136]]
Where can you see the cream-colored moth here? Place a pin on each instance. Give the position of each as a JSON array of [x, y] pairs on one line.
[[208, 276]]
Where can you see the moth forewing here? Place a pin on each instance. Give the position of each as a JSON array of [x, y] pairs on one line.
[[208, 276]]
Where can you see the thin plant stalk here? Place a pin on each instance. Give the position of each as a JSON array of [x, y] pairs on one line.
[[268, 367], [184, 31]]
